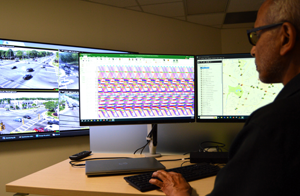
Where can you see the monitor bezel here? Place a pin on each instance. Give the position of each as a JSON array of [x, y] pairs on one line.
[[68, 45]]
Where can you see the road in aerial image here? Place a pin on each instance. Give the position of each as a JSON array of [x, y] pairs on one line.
[[69, 116], [22, 112], [23, 121], [28, 68], [68, 68]]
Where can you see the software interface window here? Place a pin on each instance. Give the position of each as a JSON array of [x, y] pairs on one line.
[[39, 90], [229, 87], [136, 88]]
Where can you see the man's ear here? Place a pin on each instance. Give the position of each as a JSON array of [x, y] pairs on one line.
[[288, 38]]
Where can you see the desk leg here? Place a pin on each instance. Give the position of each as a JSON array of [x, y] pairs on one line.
[[21, 194]]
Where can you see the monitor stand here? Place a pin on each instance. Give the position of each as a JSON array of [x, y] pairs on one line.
[[153, 141]]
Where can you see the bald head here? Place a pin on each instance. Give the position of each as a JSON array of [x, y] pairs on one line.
[[264, 12], [283, 11]]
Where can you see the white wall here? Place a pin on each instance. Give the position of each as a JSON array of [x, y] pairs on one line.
[[81, 23]]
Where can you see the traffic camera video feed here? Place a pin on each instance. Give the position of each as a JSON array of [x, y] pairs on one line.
[[32, 112], [68, 69], [69, 110], [33, 68], [24, 112], [33, 71], [28, 68]]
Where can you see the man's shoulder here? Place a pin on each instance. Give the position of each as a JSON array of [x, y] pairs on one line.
[[279, 112]]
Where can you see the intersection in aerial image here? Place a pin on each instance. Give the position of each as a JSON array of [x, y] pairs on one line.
[[23, 112]]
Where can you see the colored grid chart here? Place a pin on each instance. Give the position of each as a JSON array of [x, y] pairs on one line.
[[145, 91]]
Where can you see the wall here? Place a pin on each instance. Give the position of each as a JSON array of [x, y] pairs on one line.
[[20, 158], [86, 24], [235, 41], [89, 24]]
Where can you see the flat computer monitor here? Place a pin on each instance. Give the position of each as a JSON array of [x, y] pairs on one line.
[[136, 89], [229, 89], [121, 89], [39, 90]]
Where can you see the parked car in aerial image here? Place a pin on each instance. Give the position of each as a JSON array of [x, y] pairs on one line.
[[53, 122], [51, 128], [39, 129]]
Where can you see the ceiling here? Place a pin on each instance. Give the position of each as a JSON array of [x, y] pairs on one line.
[[222, 14]]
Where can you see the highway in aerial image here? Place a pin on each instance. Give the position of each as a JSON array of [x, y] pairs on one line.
[[69, 116], [68, 68], [27, 70]]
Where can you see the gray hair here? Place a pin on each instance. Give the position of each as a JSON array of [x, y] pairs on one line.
[[285, 10]]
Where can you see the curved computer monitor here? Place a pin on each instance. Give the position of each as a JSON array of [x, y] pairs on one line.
[[39, 90], [229, 89], [136, 89]]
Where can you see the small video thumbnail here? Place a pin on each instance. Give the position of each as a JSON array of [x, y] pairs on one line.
[[24, 112], [28, 68], [68, 70], [69, 110]]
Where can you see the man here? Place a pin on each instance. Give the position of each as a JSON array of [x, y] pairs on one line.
[[264, 158]]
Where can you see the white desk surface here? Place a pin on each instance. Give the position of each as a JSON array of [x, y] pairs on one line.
[[62, 179]]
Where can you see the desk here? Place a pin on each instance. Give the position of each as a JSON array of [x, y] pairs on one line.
[[62, 179]]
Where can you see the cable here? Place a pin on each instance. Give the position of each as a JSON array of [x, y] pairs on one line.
[[143, 147], [183, 163], [148, 138]]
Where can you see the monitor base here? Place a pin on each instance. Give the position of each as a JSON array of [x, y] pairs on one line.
[[152, 155]]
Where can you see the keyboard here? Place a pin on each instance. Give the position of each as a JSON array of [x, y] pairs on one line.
[[190, 173]]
